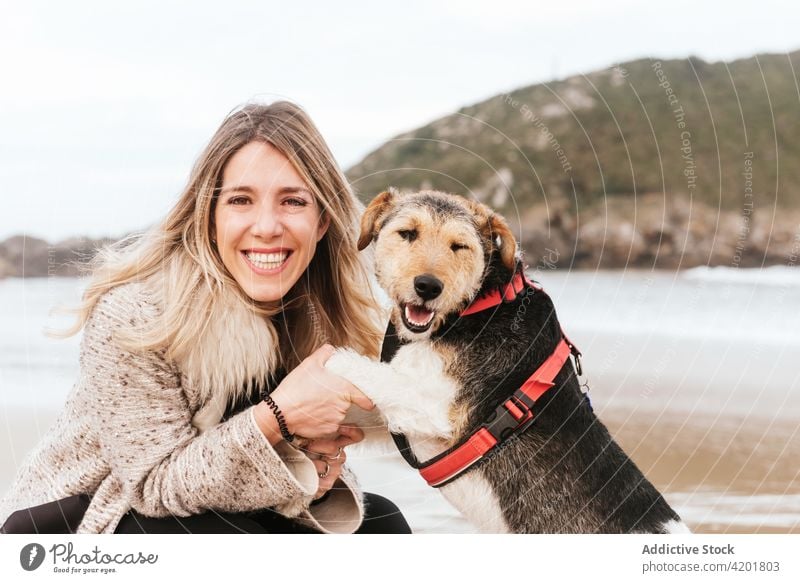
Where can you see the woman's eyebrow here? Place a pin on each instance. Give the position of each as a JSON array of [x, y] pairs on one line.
[[238, 188], [295, 189]]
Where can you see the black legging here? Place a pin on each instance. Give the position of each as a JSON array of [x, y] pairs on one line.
[[381, 516]]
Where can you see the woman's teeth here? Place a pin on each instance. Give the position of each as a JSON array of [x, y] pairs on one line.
[[267, 260]]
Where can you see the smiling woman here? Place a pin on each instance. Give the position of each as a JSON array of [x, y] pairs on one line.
[[203, 357]]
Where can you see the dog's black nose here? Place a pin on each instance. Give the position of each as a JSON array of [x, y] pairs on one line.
[[427, 287]]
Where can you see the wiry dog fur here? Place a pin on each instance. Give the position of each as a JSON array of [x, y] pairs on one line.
[[564, 473]]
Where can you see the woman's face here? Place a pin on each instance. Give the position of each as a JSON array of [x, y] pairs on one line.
[[267, 223]]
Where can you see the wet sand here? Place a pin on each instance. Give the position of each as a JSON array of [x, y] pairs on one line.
[[732, 475]]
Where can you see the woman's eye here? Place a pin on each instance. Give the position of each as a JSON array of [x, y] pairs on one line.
[[458, 246], [298, 202], [408, 234], [238, 200]]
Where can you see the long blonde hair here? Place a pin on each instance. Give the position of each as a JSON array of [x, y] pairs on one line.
[[332, 302]]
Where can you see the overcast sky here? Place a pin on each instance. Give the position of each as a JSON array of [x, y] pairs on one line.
[[105, 105]]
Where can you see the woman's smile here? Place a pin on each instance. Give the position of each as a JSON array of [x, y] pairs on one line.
[[267, 262]]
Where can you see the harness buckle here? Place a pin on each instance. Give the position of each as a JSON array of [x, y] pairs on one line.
[[504, 423]]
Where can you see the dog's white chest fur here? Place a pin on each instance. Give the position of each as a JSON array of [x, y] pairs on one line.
[[415, 395]]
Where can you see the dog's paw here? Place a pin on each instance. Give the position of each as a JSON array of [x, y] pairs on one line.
[[398, 396], [346, 363], [360, 372]]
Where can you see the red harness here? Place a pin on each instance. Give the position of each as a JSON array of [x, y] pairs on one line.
[[511, 417]]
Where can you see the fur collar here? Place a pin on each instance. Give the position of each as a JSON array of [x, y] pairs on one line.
[[236, 350]]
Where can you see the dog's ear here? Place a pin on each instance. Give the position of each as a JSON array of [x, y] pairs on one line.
[[492, 226], [379, 206], [508, 245]]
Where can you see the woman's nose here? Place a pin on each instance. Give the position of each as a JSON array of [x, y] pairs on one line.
[[267, 224]]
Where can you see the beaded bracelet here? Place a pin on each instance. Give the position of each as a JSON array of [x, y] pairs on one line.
[[278, 415]]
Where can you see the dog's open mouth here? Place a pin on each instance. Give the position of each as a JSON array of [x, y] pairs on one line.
[[417, 318]]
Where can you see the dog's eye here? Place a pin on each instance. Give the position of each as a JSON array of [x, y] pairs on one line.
[[458, 246], [408, 234]]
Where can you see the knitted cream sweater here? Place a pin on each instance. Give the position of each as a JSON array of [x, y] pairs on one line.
[[126, 435]]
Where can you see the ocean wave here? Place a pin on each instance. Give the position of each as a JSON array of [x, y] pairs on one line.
[[777, 275], [742, 510]]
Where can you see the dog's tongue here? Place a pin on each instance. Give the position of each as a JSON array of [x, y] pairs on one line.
[[418, 314]]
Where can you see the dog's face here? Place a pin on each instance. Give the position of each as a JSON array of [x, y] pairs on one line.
[[431, 250]]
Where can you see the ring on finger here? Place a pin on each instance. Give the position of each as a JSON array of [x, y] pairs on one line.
[[324, 474]]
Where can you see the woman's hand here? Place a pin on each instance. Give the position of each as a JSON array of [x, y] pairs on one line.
[[313, 400], [328, 456]]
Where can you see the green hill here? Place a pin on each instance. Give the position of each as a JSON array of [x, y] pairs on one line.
[[678, 135]]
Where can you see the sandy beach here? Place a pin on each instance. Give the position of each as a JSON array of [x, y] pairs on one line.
[[737, 475]]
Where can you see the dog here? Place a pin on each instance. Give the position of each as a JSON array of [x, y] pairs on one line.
[[453, 371]]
